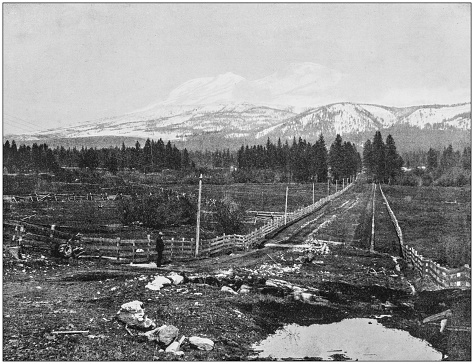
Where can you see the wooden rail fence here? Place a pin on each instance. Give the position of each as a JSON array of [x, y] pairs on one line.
[[62, 197], [448, 278], [39, 237]]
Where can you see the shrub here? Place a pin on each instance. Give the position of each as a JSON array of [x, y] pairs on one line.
[[454, 177], [158, 211], [408, 179], [229, 216]]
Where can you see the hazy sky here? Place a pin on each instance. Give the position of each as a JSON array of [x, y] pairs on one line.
[[66, 63]]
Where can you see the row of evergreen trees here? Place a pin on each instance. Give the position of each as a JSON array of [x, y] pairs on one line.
[[302, 160], [445, 167], [216, 159], [381, 160], [153, 156], [442, 160]]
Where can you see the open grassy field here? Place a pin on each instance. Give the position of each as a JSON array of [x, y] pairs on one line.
[[97, 217], [263, 196], [436, 221]]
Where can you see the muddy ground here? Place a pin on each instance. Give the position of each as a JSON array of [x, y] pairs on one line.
[[42, 294]]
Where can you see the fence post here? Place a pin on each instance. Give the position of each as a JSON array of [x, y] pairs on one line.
[[20, 239], [148, 247], [118, 249], [14, 234], [133, 247]]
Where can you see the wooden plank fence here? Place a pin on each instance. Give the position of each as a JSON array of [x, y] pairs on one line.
[[62, 197], [133, 250], [447, 278]]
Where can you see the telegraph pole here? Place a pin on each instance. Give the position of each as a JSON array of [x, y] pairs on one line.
[[286, 203], [328, 186], [198, 222], [313, 193]]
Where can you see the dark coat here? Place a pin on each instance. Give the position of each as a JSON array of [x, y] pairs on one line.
[[160, 245]]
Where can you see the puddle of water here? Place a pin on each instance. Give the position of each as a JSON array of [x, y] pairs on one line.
[[358, 339]]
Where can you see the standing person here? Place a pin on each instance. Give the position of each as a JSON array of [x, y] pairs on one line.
[[160, 246]]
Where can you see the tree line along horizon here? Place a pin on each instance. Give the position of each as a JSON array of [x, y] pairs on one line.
[[298, 161]]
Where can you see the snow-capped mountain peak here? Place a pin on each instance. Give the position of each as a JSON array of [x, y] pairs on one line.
[[205, 90], [231, 108]]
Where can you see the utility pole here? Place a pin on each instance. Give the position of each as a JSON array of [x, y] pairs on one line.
[[336, 185], [343, 183], [286, 203], [313, 193], [328, 186], [198, 222]]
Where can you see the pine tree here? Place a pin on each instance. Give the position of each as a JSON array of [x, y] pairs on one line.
[[378, 148], [448, 158], [466, 158], [147, 156], [368, 158], [393, 162], [185, 161], [321, 159], [336, 158], [432, 160]]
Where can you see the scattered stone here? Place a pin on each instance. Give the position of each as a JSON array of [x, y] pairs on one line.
[[176, 278], [201, 343], [101, 336], [164, 334], [244, 289], [158, 283], [152, 334], [306, 297], [133, 314], [15, 252], [226, 274], [228, 289], [168, 334], [175, 345]]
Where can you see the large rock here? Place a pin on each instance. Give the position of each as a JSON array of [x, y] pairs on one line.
[[306, 297], [244, 289], [152, 335], [158, 283], [175, 278], [167, 334], [201, 343], [228, 289], [133, 314]]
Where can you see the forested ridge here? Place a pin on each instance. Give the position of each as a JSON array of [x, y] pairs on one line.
[[297, 160]]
